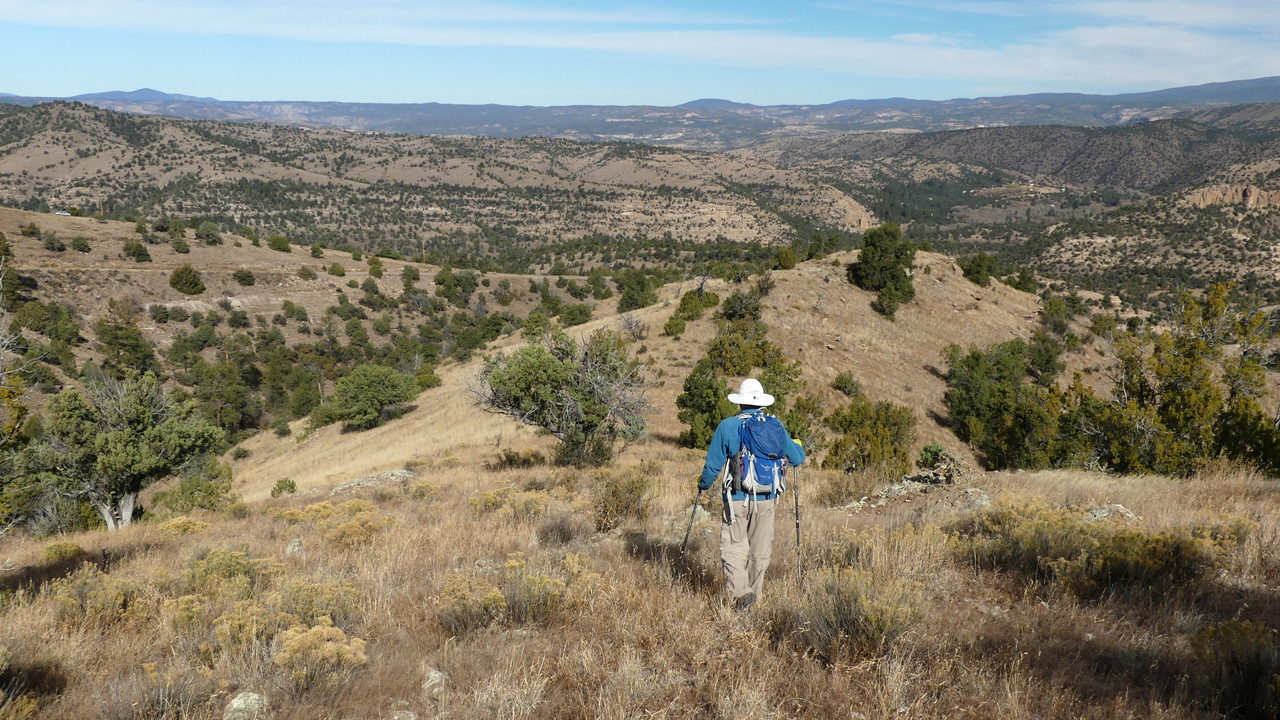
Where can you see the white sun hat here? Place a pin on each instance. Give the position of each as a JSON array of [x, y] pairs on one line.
[[751, 392]]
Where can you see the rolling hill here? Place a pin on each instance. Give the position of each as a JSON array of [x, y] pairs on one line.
[[701, 124]]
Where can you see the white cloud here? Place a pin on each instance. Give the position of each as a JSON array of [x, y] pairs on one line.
[[1127, 44]]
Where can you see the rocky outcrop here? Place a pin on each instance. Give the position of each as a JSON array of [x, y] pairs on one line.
[[1251, 197], [390, 477]]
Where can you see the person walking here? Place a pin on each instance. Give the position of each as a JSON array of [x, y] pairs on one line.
[[758, 450]]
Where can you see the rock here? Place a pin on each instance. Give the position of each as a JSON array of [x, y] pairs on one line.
[[699, 513], [973, 498], [433, 683], [246, 706], [1112, 513], [294, 547], [386, 478], [404, 715]]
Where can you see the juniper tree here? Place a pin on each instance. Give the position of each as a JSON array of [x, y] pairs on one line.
[[589, 394], [114, 440]]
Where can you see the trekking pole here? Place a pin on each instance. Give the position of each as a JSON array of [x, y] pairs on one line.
[[799, 567], [692, 513]]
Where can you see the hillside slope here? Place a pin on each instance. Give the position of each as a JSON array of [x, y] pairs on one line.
[[450, 195]]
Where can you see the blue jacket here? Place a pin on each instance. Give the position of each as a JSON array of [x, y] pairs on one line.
[[725, 444]]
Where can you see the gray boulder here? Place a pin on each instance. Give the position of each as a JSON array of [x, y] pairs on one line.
[[246, 706]]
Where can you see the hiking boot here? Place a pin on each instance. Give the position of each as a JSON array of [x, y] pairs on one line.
[[744, 602]]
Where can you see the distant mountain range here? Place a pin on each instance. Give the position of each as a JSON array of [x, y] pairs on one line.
[[707, 124]]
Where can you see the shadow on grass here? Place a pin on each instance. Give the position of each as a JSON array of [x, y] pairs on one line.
[[22, 677], [35, 577], [689, 571]]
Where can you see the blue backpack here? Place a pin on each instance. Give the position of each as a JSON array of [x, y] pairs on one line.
[[761, 463]]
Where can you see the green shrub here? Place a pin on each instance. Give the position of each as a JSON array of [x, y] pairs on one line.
[[281, 428], [317, 250], [240, 453], [874, 437], [694, 302], [847, 384], [180, 246], [186, 280], [636, 290], [426, 377], [786, 259], [284, 486], [279, 243], [575, 314], [882, 267], [674, 327], [980, 268], [79, 244], [932, 454], [336, 270], [244, 277], [306, 273], [209, 233], [589, 394], [205, 485], [53, 243], [366, 397], [741, 306], [137, 251], [30, 229]]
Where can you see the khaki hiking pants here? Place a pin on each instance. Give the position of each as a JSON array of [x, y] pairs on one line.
[[746, 545]]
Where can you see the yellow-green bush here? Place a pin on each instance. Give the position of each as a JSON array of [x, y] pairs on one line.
[[182, 525], [512, 503], [1059, 546], [90, 598], [249, 625], [531, 597], [221, 571], [319, 655], [846, 616], [63, 552], [422, 490], [467, 604], [348, 524], [310, 600]]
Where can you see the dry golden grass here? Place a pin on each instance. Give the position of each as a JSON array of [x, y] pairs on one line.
[[618, 639]]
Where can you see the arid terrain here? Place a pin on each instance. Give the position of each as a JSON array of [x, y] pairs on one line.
[[441, 565]]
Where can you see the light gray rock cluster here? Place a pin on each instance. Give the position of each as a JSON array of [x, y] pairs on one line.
[[1112, 513], [390, 477]]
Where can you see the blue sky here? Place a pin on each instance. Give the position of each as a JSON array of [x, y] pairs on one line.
[[644, 52]]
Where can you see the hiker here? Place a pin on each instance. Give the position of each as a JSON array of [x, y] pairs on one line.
[[758, 450]]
